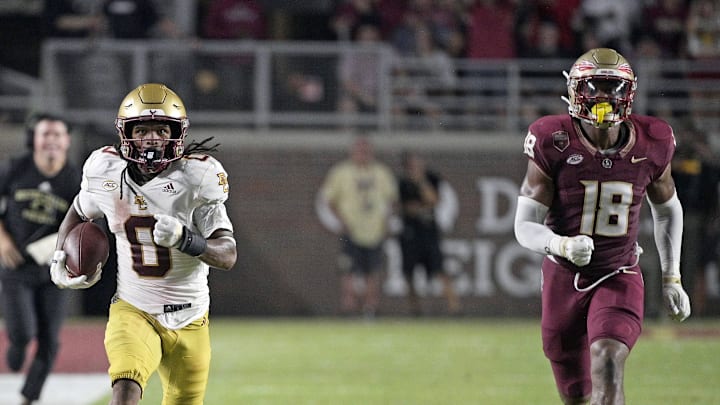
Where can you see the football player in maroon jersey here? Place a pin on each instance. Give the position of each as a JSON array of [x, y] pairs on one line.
[[587, 175]]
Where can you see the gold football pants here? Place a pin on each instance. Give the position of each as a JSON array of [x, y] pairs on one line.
[[137, 345]]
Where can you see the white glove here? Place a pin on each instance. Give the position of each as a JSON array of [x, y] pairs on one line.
[[62, 278], [578, 249], [676, 299], [168, 231]]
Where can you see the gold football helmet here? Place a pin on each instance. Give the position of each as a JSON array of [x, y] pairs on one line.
[[156, 102], [601, 88]]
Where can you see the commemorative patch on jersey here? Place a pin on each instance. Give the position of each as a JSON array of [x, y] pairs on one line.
[[561, 140]]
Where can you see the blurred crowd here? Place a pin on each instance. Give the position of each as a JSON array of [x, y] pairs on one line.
[[431, 36], [457, 28]]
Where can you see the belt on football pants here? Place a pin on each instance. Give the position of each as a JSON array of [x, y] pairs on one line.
[[176, 307]]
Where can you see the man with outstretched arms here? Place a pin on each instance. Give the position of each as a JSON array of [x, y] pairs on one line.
[[587, 176], [164, 202]]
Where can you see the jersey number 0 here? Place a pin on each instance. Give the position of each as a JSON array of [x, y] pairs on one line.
[[149, 259]]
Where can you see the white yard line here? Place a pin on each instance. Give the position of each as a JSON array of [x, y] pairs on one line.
[[60, 389]]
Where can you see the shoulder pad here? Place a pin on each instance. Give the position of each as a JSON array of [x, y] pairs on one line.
[[548, 125], [101, 159], [653, 127], [209, 175]]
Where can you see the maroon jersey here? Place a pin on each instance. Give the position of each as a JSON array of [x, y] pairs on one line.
[[600, 194]]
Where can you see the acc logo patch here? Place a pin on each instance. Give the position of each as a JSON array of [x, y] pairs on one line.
[[574, 159], [561, 140], [109, 185]]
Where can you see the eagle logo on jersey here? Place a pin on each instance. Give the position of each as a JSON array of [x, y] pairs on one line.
[[223, 182], [561, 140], [140, 201]]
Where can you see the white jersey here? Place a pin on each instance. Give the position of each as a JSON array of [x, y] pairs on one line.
[[164, 282]]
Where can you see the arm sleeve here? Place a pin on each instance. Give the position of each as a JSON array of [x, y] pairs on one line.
[[530, 230], [668, 225]]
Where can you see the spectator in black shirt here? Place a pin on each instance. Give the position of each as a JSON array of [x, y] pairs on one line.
[[420, 237], [36, 190]]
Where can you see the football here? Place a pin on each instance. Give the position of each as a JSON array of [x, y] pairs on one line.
[[87, 248]]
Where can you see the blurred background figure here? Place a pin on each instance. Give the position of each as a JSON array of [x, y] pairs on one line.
[[421, 236], [361, 192], [695, 171], [36, 190], [137, 19], [359, 74], [228, 81], [72, 19], [664, 22], [703, 45], [611, 23], [235, 19]]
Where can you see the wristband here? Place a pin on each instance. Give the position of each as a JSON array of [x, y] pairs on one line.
[[671, 280], [192, 243]]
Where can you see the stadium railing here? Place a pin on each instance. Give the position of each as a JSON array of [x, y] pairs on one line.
[[269, 84], [17, 92]]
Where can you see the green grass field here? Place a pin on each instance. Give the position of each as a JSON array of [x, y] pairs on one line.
[[435, 361]]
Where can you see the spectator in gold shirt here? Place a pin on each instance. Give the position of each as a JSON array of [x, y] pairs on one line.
[[361, 192]]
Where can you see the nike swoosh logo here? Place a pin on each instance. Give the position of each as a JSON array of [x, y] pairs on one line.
[[635, 160]]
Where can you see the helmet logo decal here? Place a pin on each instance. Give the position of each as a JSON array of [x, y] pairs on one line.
[[625, 68], [585, 65], [561, 140], [153, 112]]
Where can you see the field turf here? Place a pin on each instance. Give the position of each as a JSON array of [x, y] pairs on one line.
[[435, 361]]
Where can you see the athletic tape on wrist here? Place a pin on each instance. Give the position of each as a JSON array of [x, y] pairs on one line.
[[671, 280]]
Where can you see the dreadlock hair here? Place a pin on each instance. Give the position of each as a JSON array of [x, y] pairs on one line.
[[137, 175], [201, 147]]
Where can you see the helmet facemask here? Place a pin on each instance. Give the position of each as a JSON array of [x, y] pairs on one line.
[[601, 88], [602, 101], [151, 156], [157, 103]]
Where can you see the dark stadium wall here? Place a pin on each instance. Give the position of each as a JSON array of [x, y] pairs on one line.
[[287, 257]]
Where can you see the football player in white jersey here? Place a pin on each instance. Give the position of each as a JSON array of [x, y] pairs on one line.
[[164, 202]]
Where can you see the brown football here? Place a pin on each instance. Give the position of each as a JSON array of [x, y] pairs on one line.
[[87, 248]]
